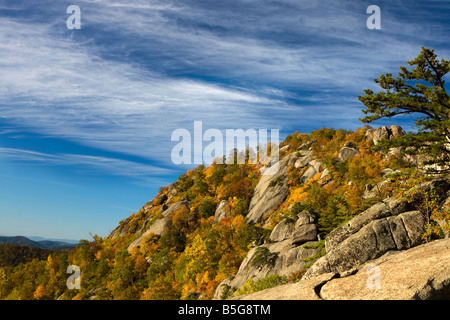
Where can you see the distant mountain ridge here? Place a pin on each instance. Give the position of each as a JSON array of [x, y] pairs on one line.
[[37, 239], [46, 244]]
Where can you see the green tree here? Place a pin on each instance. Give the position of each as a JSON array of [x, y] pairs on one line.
[[219, 170], [207, 207], [420, 92]]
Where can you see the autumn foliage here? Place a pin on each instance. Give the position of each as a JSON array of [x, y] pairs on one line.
[[195, 253]]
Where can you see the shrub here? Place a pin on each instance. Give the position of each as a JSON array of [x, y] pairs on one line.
[[251, 286], [297, 208], [312, 259], [207, 207], [263, 256], [296, 276]]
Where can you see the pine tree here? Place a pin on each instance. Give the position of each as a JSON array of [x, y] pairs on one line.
[[420, 92]]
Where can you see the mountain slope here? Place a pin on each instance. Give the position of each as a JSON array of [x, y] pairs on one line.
[[12, 254], [324, 180], [20, 240], [227, 230]]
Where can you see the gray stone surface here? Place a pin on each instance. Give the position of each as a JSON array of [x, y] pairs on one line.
[[419, 273], [157, 228], [370, 242], [288, 259], [304, 233], [221, 211], [346, 153], [270, 192]]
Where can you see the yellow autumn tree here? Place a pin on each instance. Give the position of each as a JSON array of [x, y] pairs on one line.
[[150, 244], [197, 257], [2, 282]]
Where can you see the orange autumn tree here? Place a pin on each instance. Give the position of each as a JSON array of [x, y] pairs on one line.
[[40, 293]]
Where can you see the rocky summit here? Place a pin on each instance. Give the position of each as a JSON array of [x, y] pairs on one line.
[[335, 218], [388, 236]]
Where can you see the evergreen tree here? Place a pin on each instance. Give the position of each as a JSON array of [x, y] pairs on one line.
[[420, 92]]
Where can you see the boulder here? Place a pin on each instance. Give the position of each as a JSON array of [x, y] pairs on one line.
[[270, 192], [313, 169], [384, 132], [445, 223], [395, 152], [396, 131], [304, 159], [158, 228], [175, 206], [304, 233], [220, 211], [286, 259], [386, 208], [370, 242], [282, 231], [380, 133], [347, 153], [305, 229], [419, 273], [373, 191], [147, 207], [302, 290]]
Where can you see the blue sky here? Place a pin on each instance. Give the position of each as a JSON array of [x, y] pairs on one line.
[[86, 115]]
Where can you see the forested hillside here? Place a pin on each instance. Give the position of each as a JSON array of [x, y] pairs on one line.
[[197, 231], [12, 254]]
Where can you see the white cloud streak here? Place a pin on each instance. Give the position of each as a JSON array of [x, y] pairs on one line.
[[83, 163], [53, 86], [270, 66]]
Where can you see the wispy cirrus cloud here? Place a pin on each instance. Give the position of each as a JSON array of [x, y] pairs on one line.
[[137, 70], [54, 87], [87, 163]]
